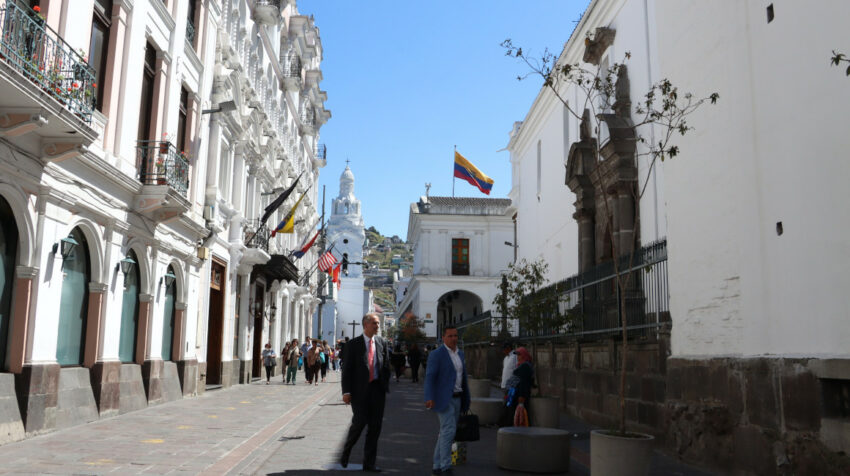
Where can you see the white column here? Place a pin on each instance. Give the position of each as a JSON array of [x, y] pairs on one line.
[[477, 264]]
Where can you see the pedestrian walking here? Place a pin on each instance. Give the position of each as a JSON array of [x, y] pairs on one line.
[[292, 356], [508, 363], [414, 356], [314, 362], [305, 349], [397, 358], [447, 393], [269, 361], [365, 383], [326, 357]]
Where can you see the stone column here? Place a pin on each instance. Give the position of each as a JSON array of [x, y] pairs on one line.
[[143, 334], [113, 89], [425, 243], [187, 368], [477, 265], [443, 255], [21, 316], [586, 239], [93, 323]]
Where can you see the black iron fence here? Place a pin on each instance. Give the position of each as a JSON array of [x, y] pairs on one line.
[[588, 305], [42, 56], [159, 163], [256, 234]]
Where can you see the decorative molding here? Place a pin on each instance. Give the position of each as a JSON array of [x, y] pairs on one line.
[[596, 45]]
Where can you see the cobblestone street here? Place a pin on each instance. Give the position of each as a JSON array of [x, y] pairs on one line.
[[263, 429]]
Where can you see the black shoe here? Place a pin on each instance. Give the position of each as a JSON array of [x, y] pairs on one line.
[[343, 460], [372, 469]]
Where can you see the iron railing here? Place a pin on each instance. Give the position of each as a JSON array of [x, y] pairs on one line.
[[190, 32], [291, 66], [267, 3], [42, 56], [587, 305], [256, 235], [159, 163], [321, 151]]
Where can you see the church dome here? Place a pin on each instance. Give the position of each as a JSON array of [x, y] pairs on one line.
[[346, 182]]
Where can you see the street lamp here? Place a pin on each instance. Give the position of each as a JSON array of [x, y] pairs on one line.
[[126, 265], [168, 279], [66, 246]]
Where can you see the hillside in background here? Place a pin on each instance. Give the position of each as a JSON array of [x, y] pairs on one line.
[[385, 256]]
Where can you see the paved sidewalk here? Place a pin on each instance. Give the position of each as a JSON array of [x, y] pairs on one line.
[[269, 430]]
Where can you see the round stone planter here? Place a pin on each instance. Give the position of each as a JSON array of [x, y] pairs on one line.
[[489, 410], [532, 449], [621, 455], [546, 412], [479, 388]]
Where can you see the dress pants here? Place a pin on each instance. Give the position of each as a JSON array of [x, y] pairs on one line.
[[448, 425], [368, 412]]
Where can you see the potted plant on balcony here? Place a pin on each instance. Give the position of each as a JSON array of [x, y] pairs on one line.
[[36, 16], [605, 107], [160, 171]]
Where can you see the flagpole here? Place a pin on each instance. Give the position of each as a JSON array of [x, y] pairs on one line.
[[453, 174], [320, 287]]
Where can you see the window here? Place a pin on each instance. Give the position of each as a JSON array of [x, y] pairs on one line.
[[190, 23], [460, 257], [98, 46], [182, 123], [146, 106]]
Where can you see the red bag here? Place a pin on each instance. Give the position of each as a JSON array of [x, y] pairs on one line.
[[521, 416]]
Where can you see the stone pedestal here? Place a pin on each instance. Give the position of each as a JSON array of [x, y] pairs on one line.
[[479, 388], [546, 411], [132, 389], [161, 381], [229, 373], [105, 385], [75, 402], [532, 449], [11, 423], [489, 410], [37, 388], [245, 371], [187, 372]]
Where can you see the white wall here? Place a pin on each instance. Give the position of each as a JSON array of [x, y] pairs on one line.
[[773, 150]]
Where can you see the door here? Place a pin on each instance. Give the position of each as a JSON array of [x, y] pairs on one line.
[[129, 313], [215, 323], [168, 319], [257, 364], [73, 307], [8, 251]]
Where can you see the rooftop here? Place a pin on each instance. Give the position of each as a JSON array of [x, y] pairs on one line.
[[461, 206]]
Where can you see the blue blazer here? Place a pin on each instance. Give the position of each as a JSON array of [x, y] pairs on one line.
[[440, 379]]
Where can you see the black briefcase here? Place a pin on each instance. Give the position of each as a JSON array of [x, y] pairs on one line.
[[467, 428]]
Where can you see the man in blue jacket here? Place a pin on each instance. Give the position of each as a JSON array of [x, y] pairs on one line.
[[447, 393]]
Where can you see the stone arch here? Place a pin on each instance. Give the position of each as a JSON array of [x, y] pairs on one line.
[[457, 306], [93, 235], [144, 262], [17, 200]]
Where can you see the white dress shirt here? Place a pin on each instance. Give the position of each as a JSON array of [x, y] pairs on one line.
[[458, 368]]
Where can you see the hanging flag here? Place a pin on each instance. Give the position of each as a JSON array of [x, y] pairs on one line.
[[326, 261], [305, 247], [279, 201], [287, 225], [335, 276], [466, 171]]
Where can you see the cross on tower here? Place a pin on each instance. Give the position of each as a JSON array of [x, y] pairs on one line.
[[427, 188], [353, 324], [346, 162]]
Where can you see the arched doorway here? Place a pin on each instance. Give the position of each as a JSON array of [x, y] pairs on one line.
[[455, 307], [73, 307], [168, 314], [8, 252], [129, 312]]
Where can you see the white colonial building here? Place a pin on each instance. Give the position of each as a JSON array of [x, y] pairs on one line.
[[139, 143], [750, 212], [458, 259]]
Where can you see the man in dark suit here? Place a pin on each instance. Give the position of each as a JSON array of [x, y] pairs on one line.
[[365, 383], [447, 394]]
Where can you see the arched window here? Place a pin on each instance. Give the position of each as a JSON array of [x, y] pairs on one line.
[[8, 252], [168, 316], [129, 312], [74, 304]]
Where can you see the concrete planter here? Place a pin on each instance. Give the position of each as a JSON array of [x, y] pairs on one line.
[[489, 410], [479, 388], [546, 411], [621, 455]]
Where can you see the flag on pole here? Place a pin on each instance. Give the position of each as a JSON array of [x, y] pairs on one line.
[[287, 225], [466, 171], [302, 250], [279, 201], [326, 261], [335, 275]]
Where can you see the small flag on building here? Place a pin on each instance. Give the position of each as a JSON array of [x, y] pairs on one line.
[[466, 171], [304, 248], [335, 276], [326, 261], [287, 225], [279, 201]]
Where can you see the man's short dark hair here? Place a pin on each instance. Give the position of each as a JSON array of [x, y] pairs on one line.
[[369, 316], [449, 326]]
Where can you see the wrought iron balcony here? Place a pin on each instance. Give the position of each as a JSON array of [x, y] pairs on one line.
[[256, 235], [266, 12], [42, 56], [190, 32], [291, 66], [159, 163], [321, 152]]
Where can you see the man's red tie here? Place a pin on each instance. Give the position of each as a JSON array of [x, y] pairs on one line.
[[371, 360]]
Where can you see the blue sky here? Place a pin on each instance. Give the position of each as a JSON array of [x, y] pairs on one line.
[[407, 81]]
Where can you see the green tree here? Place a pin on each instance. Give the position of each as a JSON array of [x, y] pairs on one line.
[[410, 329], [662, 111]]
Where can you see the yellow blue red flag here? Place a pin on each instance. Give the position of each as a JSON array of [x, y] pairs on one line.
[[466, 171]]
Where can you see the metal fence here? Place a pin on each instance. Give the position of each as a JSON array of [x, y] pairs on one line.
[[42, 56], [587, 305], [159, 163], [256, 234]]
